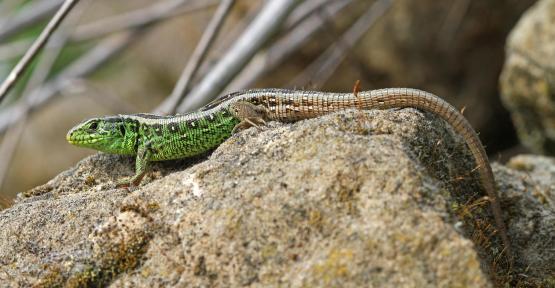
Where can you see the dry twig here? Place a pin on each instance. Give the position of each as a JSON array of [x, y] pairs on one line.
[[325, 65], [30, 15], [127, 21], [86, 64], [270, 59], [170, 104], [139, 18], [40, 73], [227, 39], [306, 9], [35, 48], [14, 49], [257, 34]]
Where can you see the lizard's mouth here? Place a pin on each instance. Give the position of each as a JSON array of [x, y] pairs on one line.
[[87, 139]]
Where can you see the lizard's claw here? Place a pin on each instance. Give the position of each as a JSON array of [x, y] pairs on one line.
[[129, 182]]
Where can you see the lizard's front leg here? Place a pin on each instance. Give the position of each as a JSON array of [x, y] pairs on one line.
[[141, 164], [250, 115]]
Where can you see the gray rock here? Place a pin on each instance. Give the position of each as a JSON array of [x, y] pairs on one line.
[[377, 198], [528, 78], [528, 183]]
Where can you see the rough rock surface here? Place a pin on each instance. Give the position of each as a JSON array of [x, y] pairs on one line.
[[529, 182], [528, 78], [377, 198]]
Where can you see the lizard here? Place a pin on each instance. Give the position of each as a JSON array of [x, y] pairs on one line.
[[155, 138]]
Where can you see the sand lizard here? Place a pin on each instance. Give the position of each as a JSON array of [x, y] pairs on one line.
[[155, 138]]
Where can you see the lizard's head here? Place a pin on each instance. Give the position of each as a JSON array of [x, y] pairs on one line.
[[110, 134]]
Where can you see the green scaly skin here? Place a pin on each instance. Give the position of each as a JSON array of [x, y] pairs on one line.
[[153, 138]]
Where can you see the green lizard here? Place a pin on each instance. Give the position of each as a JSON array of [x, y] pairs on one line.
[[155, 138]]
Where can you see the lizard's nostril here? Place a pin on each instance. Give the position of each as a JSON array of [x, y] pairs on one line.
[[68, 136]]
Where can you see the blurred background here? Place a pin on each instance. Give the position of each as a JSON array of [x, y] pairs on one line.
[[130, 56]]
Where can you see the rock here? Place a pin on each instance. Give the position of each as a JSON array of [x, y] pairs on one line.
[[529, 185], [375, 198], [527, 80]]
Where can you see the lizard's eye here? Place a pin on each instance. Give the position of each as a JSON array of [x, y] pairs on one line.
[[93, 126]]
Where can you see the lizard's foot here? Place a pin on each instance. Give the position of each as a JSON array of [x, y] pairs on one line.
[[247, 123], [124, 183], [255, 121], [239, 127], [129, 182], [250, 115]]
